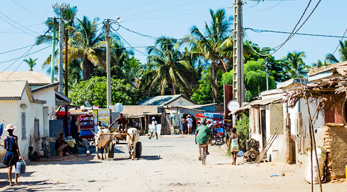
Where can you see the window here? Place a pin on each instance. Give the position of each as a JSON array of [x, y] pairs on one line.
[[24, 125], [37, 128]]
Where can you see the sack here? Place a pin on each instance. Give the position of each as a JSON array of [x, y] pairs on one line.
[[240, 153]]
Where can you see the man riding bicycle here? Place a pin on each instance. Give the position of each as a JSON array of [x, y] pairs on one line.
[[203, 135]]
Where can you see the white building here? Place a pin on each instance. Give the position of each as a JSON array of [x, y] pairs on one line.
[[19, 107]]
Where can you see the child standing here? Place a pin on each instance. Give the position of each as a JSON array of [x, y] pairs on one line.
[[12, 152], [235, 145]]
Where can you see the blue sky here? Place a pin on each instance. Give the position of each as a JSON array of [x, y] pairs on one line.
[[174, 19]]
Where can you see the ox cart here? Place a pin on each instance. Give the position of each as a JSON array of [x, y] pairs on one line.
[[105, 141]]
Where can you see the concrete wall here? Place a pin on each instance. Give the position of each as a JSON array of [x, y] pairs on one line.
[[10, 112], [47, 95], [338, 154]]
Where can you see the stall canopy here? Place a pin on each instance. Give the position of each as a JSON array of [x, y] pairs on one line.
[[136, 111]]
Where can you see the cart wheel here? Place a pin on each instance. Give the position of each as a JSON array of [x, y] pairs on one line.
[[138, 150], [111, 151]]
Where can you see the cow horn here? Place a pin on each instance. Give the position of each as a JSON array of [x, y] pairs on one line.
[[93, 132]]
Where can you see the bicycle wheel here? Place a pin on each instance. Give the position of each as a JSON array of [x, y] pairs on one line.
[[213, 140]]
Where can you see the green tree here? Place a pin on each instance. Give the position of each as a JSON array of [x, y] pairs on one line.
[[94, 91], [87, 46], [296, 68], [330, 58], [167, 66], [242, 129], [31, 62], [212, 44]]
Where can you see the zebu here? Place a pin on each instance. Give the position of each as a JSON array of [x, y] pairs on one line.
[[134, 146], [103, 140]]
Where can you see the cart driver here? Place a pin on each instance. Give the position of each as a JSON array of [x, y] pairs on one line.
[[122, 123]]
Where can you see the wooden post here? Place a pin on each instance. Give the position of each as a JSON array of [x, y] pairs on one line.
[[140, 121], [289, 151], [145, 124], [313, 145]]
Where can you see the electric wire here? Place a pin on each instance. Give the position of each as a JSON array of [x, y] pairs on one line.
[[15, 23], [129, 43], [133, 7], [27, 10], [338, 45], [24, 55], [294, 31], [159, 10], [15, 49]]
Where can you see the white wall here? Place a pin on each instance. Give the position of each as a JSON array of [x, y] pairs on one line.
[[181, 102], [10, 112], [49, 96]]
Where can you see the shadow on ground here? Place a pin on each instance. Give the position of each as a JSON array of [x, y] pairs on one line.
[[33, 186]]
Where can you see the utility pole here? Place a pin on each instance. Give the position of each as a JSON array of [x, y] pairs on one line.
[[61, 35], [238, 81], [53, 51], [108, 63], [66, 80], [267, 73]]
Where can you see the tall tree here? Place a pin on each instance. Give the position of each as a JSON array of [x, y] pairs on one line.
[[213, 43], [330, 58], [31, 62], [296, 68], [167, 64], [87, 46]]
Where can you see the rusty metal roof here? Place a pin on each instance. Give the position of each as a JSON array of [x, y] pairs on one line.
[[139, 110], [33, 77], [12, 89]]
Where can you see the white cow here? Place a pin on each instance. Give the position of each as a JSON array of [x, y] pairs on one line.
[[103, 140], [132, 138]]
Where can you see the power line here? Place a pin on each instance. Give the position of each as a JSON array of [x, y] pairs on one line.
[[294, 31], [285, 32], [129, 44], [24, 55], [27, 10], [15, 49], [15, 23], [337, 45]]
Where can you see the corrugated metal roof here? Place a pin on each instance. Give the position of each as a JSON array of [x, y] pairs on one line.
[[266, 101], [160, 100], [33, 77], [12, 89]]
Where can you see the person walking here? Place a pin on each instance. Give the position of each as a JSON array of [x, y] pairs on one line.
[[184, 125], [190, 124], [12, 152], [235, 145], [154, 128]]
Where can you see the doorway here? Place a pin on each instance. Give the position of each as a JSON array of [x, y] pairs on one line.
[[263, 127]]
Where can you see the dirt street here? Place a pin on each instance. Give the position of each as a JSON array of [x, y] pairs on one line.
[[168, 164]]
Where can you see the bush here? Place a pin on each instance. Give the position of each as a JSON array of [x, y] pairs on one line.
[[242, 129]]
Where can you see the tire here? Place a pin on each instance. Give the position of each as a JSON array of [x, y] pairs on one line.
[[213, 140], [111, 151], [138, 151]]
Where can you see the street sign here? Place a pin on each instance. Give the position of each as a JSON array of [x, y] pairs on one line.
[[118, 107], [233, 105]]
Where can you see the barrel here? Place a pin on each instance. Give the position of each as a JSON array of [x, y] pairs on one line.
[[20, 167]]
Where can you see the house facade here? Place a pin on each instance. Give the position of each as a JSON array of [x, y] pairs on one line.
[[19, 107]]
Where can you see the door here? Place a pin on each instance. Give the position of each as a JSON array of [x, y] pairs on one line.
[[263, 127]]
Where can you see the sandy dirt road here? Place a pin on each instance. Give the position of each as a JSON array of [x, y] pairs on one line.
[[168, 164]]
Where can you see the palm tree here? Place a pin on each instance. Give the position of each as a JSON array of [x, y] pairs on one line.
[[330, 58], [167, 65], [295, 64], [31, 62], [87, 46], [214, 44]]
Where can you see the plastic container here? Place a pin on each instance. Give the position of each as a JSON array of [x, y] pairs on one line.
[[20, 167]]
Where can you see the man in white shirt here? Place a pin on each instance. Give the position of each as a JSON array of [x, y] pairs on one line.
[[153, 128], [190, 124]]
